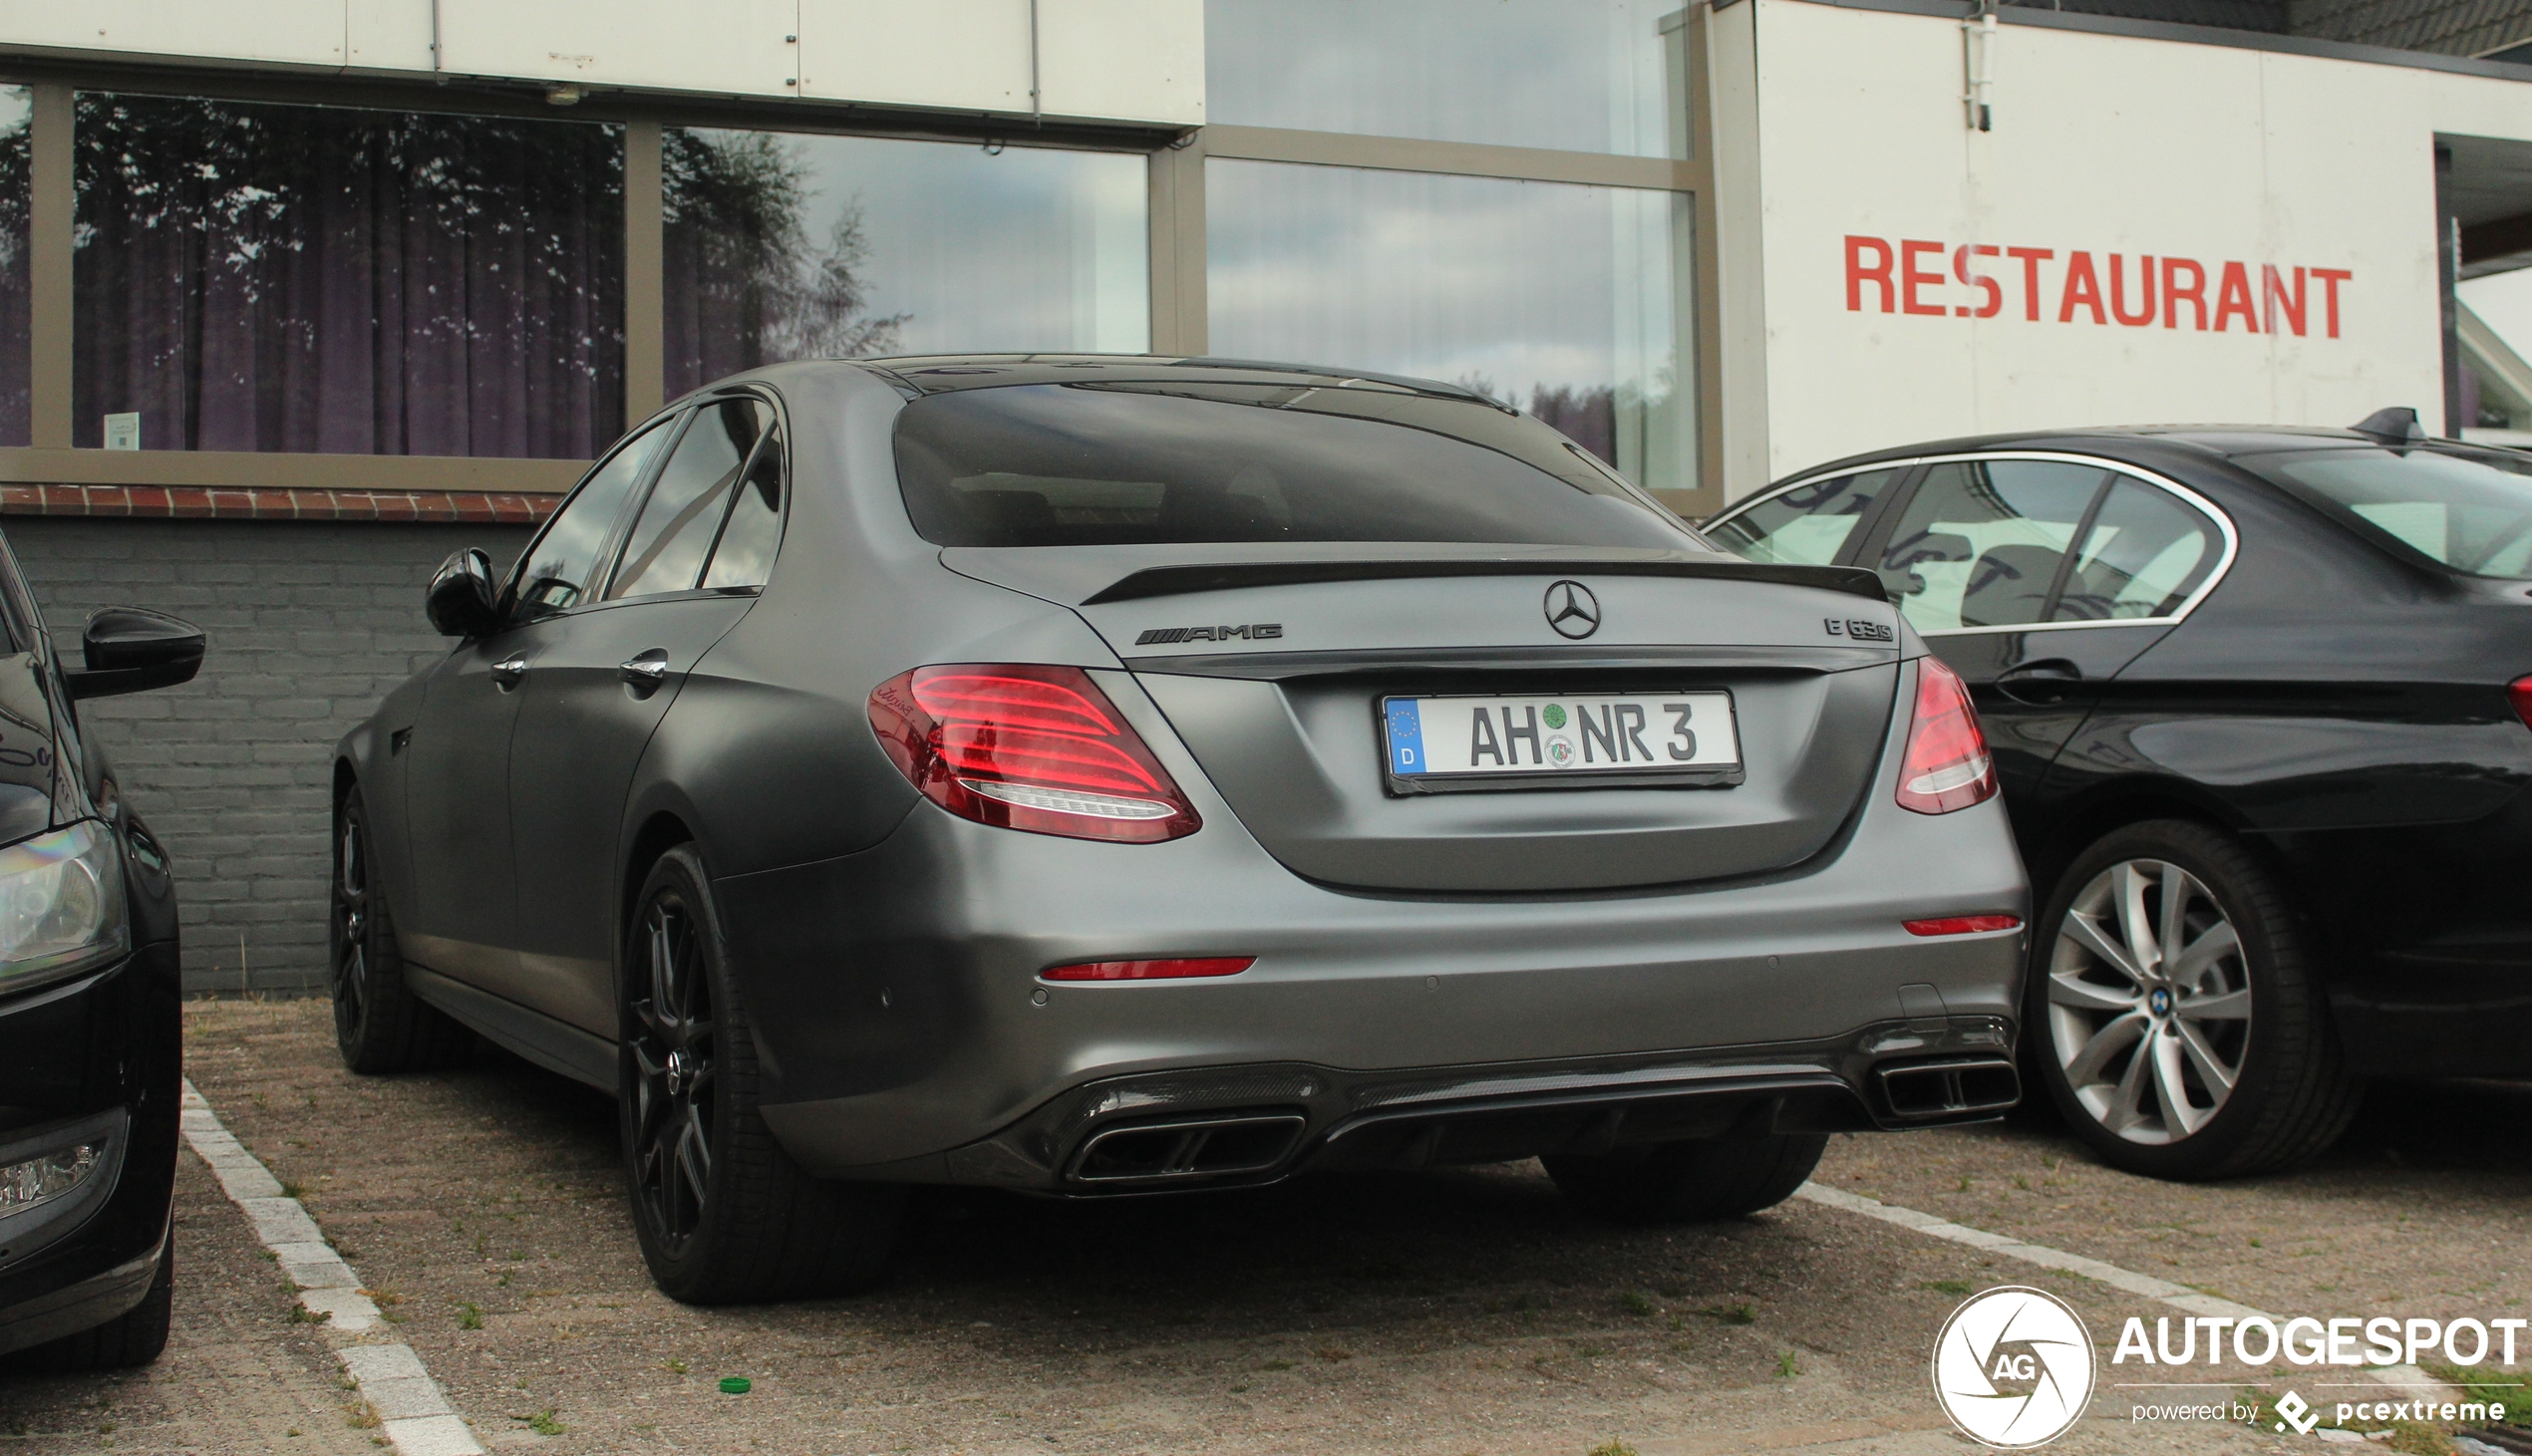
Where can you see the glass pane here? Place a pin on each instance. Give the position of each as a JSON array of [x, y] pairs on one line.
[[1121, 463], [1807, 525], [1449, 278], [1576, 75], [16, 347], [554, 574], [666, 551], [298, 278], [744, 556], [1980, 541], [2145, 553], [2470, 513], [798, 248]]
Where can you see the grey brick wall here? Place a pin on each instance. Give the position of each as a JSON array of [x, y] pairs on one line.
[[310, 623]]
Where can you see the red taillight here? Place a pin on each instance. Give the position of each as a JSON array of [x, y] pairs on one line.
[[1028, 748], [2520, 689], [1150, 970], [1947, 766], [1962, 924]]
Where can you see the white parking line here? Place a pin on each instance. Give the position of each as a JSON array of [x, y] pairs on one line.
[[2179, 1297], [412, 1412]]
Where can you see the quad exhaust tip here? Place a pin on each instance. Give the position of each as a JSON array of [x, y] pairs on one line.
[[1950, 1088], [1212, 1147]]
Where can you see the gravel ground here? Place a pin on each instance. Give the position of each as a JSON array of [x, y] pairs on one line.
[[1453, 1313]]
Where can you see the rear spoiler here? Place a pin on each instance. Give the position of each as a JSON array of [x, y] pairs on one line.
[[1172, 581]]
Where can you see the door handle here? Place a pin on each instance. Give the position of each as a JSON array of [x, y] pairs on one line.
[[645, 671], [509, 672], [2043, 680]]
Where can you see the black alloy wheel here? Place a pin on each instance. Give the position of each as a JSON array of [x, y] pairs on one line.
[[2175, 1013], [378, 1023], [722, 1213], [671, 1044]]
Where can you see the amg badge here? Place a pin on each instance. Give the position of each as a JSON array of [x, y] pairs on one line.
[[1859, 630], [1254, 632]]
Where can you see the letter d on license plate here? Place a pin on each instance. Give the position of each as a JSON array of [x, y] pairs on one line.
[[1648, 739]]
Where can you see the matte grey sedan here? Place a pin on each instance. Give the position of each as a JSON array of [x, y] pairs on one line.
[[1104, 776]]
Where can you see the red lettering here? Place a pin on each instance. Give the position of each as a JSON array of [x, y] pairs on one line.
[[2144, 280], [2081, 289], [2274, 300], [1911, 277], [2173, 293], [1961, 269], [2330, 278], [2030, 277], [2232, 296], [1858, 275]]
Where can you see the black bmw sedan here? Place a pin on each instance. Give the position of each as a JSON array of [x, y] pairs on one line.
[[2259, 700], [90, 1042]]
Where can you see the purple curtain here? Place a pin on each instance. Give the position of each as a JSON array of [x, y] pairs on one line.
[[293, 278]]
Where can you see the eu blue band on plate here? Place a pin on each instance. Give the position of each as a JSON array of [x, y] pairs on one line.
[[1405, 736]]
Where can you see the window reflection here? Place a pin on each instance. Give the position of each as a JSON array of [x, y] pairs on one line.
[[16, 107], [1561, 300], [782, 247], [1576, 75]]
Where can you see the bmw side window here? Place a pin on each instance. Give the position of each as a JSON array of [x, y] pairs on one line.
[[2143, 554], [744, 556], [671, 537], [1981, 541], [560, 571], [1808, 525]]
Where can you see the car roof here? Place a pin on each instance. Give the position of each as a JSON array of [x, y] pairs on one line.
[[933, 373], [2145, 445]]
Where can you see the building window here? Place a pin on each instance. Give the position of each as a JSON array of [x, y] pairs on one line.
[[1558, 299], [16, 345], [1574, 75], [782, 247], [255, 277]]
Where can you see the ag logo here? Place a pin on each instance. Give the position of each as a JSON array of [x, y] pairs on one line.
[[2013, 1368]]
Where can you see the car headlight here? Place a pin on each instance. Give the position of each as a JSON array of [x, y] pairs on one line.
[[61, 906]]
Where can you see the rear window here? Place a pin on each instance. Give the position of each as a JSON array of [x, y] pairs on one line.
[[2466, 513], [1113, 463]]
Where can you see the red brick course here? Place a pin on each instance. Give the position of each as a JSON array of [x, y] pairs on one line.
[[195, 502]]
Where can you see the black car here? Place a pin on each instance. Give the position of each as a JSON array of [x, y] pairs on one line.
[[2258, 698], [90, 1040]]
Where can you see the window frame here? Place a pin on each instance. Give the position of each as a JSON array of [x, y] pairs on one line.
[[621, 538], [1869, 538], [674, 421]]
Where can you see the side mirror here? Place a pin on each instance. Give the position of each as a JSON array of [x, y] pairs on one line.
[[128, 649], [461, 598]]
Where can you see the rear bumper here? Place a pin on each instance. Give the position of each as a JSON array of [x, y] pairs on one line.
[[905, 1032]]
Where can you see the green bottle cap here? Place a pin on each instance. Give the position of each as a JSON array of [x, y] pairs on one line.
[[735, 1385]]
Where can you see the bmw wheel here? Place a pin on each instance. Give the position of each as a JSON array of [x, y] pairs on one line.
[[378, 1023], [2180, 1027], [723, 1214]]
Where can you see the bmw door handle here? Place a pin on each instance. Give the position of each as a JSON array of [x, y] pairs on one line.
[[2044, 680], [509, 672], [646, 670]]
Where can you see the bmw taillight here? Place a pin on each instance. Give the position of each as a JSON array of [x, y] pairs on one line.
[[2520, 689], [1946, 765], [1031, 747]]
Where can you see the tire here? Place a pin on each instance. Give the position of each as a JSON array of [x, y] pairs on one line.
[[128, 1341], [1688, 1182], [2220, 1058], [722, 1213], [378, 1024]]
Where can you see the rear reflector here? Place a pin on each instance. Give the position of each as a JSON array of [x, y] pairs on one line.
[[1148, 969], [1947, 766], [1026, 746], [2520, 689], [1962, 924]]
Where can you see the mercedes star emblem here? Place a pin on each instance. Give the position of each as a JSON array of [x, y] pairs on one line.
[[1572, 610]]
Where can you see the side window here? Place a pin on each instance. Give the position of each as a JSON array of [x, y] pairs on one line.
[[561, 570], [1807, 525], [1981, 543], [670, 539], [744, 556], [2145, 552]]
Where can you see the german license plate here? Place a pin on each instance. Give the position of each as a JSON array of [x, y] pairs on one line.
[[1668, 739]]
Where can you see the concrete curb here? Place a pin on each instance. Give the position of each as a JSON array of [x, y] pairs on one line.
[[412, 1412]]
